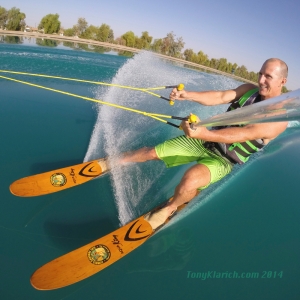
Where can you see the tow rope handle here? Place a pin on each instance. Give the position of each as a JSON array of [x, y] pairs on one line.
[[179, 87], [192, 119]]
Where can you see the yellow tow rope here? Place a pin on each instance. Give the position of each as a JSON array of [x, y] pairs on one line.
[[145, 90], [151, 115]]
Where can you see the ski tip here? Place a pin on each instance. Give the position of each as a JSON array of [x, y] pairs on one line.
[[39, 287], [20, 189], [34, 283], [36, 287], [14, 189], [40, 281]]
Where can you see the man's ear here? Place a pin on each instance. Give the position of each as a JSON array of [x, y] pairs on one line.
[[283, 81]]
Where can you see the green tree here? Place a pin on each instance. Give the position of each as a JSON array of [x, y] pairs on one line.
[[253, 76], [69, 32], [156, 46], [120, 41], [90, 33], [50, 23], [202, 58], [3, 17], [189, 55], [172, 47], [222, 66], [213, 63], [15, 19], [242, 72], [167, 44], [138, 43], [229, 68], [81, 26], [105, 34], [129, 38], [234, 67], [146, 40]]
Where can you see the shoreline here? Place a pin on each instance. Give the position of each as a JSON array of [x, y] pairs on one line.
[[117, 47]]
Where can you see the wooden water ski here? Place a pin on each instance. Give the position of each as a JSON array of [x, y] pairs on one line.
[[58, 180], [93, 257]]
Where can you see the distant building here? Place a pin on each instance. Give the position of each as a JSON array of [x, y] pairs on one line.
[[30, 29]]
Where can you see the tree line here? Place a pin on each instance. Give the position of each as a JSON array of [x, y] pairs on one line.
[[14, 19]]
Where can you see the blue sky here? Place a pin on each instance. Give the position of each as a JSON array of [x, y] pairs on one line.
[[244, 32]]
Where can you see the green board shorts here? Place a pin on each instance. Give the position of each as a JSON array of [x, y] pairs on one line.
[[183, 150]]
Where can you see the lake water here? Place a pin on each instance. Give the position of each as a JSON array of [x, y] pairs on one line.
[[245, 226]]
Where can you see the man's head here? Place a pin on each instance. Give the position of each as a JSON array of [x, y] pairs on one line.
[[272, 77]]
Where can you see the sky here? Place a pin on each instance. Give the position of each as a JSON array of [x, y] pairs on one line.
[[243, 32]]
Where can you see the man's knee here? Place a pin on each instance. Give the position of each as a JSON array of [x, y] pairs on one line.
[[196, 177], [150, 153]]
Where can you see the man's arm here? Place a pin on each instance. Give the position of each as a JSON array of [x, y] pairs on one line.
[[265, 131], [209, 98]]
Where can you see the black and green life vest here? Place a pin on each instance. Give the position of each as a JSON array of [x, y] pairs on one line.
[[240, 152]]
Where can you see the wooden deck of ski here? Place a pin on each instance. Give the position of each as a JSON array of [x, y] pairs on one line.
[[93, 257], [58, 180]]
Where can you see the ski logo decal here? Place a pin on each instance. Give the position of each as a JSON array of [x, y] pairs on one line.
[[90, 170], [134, 233], [116, 242], [73, 175], [98, 254], [58, 179]]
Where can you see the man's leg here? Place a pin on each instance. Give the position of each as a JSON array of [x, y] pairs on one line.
[[140, 155], [196, 177]]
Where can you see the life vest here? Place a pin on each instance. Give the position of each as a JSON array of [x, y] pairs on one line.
[[240, 152]]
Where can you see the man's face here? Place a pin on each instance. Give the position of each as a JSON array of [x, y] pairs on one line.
[[270, 80]]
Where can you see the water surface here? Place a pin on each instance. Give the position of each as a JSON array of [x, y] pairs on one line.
[[248, 223]]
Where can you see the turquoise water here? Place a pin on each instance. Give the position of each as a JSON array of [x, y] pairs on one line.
[[246, 224]]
